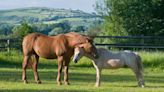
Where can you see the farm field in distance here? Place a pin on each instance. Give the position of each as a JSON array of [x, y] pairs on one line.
[[81, 76]]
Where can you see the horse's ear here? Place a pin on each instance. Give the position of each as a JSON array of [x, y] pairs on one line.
[[90, 39], [80, 46]]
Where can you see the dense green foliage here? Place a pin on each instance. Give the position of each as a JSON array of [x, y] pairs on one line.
[[132, 17], [21, 30]]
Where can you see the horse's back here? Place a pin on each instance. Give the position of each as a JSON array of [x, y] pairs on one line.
[[34, 41], [45, 46]]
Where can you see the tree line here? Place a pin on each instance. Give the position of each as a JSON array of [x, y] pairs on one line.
[[131, 17], [19, 31]]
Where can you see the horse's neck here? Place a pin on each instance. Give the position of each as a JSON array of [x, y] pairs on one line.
[[72, 41]]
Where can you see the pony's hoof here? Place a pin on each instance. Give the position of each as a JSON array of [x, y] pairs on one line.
[[38, 82], [67, 83], [142, 86], [59, 83]]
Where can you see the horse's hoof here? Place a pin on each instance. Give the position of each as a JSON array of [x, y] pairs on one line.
[[38, 82], [59, 83], [67, 83], [97, 85], [25, 82]]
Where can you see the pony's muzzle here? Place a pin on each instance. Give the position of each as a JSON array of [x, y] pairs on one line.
[[75, 58]]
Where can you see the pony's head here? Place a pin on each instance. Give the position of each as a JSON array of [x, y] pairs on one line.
[[78, 53], [85, 50], [84, 42], [89, 47]]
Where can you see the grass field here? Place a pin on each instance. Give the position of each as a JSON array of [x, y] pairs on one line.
[[81, 76]]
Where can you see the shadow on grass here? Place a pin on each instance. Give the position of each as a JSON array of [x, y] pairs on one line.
[[51, 75], [32, 90], [9, 63]]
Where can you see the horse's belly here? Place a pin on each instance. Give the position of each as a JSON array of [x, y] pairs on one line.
[[114, 63], [47, 55]]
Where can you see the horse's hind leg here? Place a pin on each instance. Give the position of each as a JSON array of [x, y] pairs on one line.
[[24, 66], [139, 77], [34, 67]]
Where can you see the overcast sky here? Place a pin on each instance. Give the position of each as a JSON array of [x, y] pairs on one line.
[[85, 5]]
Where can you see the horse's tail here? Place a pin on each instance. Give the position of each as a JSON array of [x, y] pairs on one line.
[[139, 62]]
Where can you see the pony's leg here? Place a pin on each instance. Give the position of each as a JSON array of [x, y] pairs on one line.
[[139, 77], [34, 67], [24, 66], [66, 63], [98, 76], [60, 64]]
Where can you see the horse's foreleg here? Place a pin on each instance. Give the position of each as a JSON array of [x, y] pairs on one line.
[[66, 75], [24, 66], [60, 64], [66, 63], [98, 76], [34, 67]]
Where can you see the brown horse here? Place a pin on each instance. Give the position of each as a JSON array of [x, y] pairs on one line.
[[60, 47]]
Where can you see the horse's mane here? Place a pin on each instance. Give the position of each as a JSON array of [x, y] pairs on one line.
[[79, 38]]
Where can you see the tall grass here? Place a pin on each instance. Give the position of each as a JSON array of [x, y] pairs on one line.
[[14, 59]]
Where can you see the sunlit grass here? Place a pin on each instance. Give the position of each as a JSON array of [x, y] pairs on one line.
[[81, 75], [82, 79]]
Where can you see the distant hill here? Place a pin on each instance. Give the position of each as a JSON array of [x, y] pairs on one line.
[[42, 14], [47, 20]]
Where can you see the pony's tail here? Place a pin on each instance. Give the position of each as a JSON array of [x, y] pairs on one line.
[[139, 63]]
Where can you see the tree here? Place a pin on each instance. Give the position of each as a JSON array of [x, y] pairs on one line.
[[80, 29], [65, 25], [56, 31], [21, 30], [134, 17], [5, 29]]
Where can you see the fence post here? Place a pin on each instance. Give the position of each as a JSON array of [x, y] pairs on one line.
[[142, 41], [8, 45]]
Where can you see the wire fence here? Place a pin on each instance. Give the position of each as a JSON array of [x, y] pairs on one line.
[[142, 42]]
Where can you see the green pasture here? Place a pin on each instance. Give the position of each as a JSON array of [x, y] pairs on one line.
[[81, 75]]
